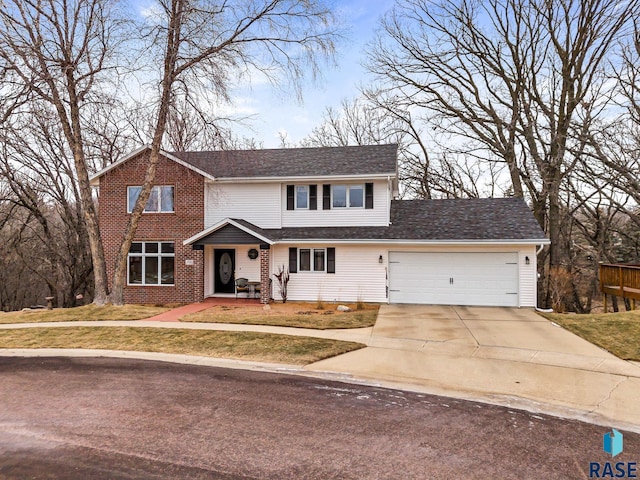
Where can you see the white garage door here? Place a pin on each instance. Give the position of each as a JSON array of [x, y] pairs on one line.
[[454, 278]]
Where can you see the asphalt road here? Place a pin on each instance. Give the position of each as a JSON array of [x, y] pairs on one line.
[[129, 419]]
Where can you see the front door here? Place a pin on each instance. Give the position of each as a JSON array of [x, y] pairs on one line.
[[224, 266]]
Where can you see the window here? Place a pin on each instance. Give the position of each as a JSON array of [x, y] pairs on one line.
[[151, 263], [318, 259], [339, 196], [312, 260], [302, 196], [347, 196], [305, 260], [356, 196], [160, 199]]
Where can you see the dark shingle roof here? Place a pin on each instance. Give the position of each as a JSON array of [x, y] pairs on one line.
[[295, 162], [470, 218], [433, 220]]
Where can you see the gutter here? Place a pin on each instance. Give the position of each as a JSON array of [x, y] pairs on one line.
[[387, 241], [294, 179]]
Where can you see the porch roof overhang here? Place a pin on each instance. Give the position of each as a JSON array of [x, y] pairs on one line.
[[230, 232]]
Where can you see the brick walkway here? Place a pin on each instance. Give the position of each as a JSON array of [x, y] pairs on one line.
[[175, 314]]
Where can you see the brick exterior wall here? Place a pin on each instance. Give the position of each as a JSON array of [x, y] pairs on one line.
[[265, 291], [187, 220]]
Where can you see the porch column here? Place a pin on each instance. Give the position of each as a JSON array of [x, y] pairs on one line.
[[265, 290], [198, 274]]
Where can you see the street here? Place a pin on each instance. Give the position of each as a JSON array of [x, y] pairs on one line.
[[131, 419]]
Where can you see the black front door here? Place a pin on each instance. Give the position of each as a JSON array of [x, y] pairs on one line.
[[224, 266]]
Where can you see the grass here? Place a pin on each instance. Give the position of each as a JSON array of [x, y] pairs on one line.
[[87, 312], [238, 345], [618, 333], [301, 315]]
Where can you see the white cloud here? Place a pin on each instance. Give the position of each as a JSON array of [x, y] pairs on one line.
[[241, 106], [150, 11]]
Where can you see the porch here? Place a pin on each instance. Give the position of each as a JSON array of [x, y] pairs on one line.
[[233, 252], [621, 281]]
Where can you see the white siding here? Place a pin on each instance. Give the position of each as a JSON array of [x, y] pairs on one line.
[[246, 267], [258, 203], [336, 217], [358, 276], [528, 277]]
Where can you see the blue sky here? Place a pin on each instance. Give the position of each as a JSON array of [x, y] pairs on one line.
[[276, 111]]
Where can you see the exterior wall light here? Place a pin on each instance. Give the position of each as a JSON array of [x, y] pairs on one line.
[[380, 259], [526, 260]]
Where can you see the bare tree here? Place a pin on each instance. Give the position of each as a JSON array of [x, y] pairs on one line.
[[509, 81], [58, 51], [38, 176], [378, 119], [204, 42], [611, 152], [65, 53], [356, 122]]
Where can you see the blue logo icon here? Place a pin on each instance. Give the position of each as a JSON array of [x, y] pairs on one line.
[[612, 442]]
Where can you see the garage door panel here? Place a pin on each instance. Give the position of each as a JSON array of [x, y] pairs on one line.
[[454, 278]]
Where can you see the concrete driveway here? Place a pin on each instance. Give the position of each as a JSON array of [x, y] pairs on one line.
[[500, 355]]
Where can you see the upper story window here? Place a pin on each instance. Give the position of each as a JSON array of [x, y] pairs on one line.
[[347, 196], [302, 196], [160, 199]]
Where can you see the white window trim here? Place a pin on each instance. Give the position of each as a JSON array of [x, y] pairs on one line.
[[155, 188], [312, 263], [295, 197], [159, 256], [348, 198]]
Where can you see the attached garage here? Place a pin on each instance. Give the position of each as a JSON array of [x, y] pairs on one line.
[[454, 278]]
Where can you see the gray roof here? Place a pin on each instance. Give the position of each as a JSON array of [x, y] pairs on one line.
[[295, 162], [435, 220]]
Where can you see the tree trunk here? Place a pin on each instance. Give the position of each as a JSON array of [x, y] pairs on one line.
[[74, 137], [168, 78]]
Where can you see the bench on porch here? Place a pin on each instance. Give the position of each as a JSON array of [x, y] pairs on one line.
[[252, 288]]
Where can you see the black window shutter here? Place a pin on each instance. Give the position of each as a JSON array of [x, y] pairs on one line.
[[293, 260], [326, 197], [313, 197], [290, 194], [368, 195], [331, 260]]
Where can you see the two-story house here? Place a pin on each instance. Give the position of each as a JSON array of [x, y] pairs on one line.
[[329, 215]]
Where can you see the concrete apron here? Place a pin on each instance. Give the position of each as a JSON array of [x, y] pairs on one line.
[[505, 356]]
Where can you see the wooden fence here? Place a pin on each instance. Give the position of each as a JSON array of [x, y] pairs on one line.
[[621, 281]]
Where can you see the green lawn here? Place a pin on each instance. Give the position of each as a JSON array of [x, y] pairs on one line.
[[239, 345], [87, 312], [618, 333]]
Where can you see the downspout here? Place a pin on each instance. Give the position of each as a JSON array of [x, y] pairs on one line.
[[389, 192]]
